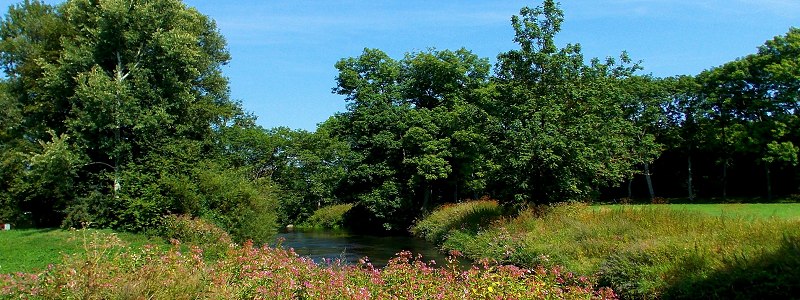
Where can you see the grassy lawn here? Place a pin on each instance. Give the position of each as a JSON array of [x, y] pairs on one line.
[[788, 211], [27, 250]]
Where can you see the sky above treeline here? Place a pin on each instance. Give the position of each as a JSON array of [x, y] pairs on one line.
[[284, 51]]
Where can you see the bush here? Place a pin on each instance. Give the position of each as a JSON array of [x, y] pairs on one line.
[[331, 217], [197, 232], [471, 215], [244, 208]]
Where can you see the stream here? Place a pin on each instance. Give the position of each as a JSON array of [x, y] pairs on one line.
[[320, 245]]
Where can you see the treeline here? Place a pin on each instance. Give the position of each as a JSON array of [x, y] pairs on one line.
[[547, 124], [117, 113]]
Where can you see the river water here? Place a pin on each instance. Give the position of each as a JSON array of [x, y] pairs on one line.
[[350, 248]]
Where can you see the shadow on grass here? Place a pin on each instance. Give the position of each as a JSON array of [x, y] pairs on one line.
[[35, 231], [772, 276]]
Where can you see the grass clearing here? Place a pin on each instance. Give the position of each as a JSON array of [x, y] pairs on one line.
[[789, 211], [29, 250]]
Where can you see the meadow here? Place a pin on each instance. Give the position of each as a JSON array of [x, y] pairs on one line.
[[650, 251], [789, 211]]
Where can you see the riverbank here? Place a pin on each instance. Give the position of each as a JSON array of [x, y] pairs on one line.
[[650, 251], [110, 269]]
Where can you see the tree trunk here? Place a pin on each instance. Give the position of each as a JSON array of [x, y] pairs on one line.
[[649, 181], [689, 178], [455, 193], [427, 198], [725, 180], [769, 182], [630, 188]]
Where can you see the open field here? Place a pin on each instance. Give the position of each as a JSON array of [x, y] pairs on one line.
[[766, 210], [27, 250]]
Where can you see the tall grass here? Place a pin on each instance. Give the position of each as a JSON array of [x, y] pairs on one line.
[[331, 217], [470, 216], [648, 252], [109, 270]]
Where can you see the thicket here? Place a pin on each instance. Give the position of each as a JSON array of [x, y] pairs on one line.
[[649, 252]]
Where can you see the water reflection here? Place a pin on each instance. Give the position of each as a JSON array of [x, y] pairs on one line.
[[350, 248]]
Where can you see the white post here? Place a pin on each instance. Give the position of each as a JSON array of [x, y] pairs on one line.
[[6, 226]]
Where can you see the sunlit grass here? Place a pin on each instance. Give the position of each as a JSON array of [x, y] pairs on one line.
[[761, 210], [331, 217], [27, 250], [470, 215], [645, 250]]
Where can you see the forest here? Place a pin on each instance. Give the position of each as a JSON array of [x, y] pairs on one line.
[[116, 114]]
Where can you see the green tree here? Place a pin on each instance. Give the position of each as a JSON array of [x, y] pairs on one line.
[[753, 102], [134, 90], [685, 121], [416, 126], [565, 132]]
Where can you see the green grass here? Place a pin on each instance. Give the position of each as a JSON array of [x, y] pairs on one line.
[[331, 217], [648, 251], [789, 211], [470, 215], [28, 250]]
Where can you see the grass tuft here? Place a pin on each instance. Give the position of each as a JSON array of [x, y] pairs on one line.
[[331, 217], [469, 216]]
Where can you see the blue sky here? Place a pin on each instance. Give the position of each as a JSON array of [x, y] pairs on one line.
[[284, 50]]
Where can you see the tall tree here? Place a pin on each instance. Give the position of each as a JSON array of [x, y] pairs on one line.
[[754, 102], [685, 115], [134, 88], [415, 126], [565, 132]]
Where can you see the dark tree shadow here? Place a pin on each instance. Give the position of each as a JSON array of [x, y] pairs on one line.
[[772, 276]]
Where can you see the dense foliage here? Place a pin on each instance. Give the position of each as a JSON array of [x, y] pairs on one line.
[[116, 112], [550, 125]]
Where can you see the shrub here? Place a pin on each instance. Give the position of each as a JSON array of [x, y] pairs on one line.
[[197, 232], [329, 216], [244, 208], [471, 215]]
